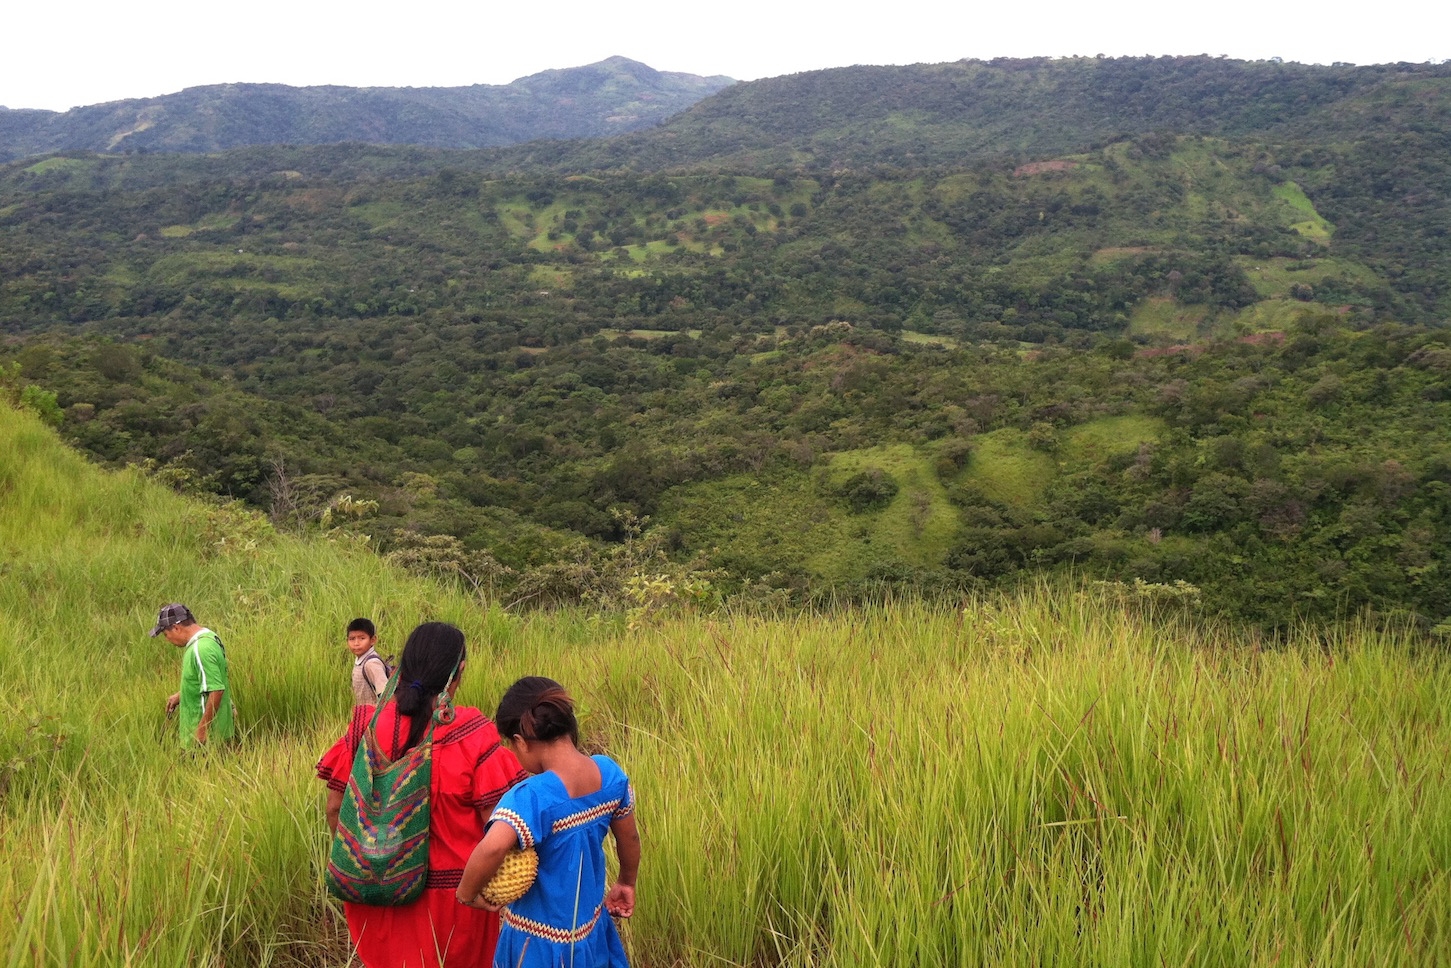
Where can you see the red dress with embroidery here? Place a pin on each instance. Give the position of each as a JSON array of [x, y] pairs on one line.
[[471, 771]]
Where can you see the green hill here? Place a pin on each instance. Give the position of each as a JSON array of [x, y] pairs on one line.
[[613, 96], [812, 789], [928, 115]]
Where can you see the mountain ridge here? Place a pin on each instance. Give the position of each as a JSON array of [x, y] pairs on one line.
[[612, 96], [926, 115]]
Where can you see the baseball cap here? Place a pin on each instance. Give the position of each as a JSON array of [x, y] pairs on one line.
[[172, 615]]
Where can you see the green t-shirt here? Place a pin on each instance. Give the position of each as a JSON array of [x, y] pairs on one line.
[[204, 670]]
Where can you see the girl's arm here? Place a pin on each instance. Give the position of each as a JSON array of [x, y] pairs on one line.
[[334, 807], [620, 902], [484, 863]]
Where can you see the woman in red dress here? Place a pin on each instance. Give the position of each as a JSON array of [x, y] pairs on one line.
[[471, 771]]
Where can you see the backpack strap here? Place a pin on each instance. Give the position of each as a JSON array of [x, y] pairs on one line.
[[442, 711], [387, 676]]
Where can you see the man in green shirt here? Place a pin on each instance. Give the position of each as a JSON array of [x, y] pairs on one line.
[[208, 716]]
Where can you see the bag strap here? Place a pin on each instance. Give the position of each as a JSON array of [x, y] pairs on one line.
[[375, 657], [433, 717]]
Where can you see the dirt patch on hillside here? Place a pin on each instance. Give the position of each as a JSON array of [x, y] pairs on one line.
[[1188, 349]]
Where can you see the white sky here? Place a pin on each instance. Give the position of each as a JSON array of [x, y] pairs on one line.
[[56, 55]]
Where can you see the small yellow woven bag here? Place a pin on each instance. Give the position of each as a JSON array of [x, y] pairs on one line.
[[514, 878]]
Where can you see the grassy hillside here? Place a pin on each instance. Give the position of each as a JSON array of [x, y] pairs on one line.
[[1046, 777]]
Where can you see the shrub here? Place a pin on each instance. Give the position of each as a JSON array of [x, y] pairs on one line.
[[869, 490]]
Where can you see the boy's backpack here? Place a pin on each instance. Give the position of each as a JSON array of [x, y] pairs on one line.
[[388, 669], [379, 852]]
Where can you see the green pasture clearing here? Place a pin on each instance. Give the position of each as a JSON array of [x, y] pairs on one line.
[[916, 528], [1106, 436], [213, 262], [928, 339], [614, 334], [1304, 219], [750, 524], [1051, 776], [1272, 278], [921, 229], [754, 184], [696, 245], [644, 252], [778, 522], [1009, 471], [1041, 260], [120, 274], [292, 277], [954, 188], [216, 222], [905, 120], [520, 221], [464, 225], [1199, 160], [212, 223], [545, 219], [1273, 315], [67, 165], [379, 214], [1197, 204], [847, 308], [1119, 253], [552, 277], [1166, 316]]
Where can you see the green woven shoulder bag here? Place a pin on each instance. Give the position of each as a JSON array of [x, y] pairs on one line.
[[379, 852]]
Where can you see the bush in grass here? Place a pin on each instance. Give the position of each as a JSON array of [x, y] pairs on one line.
[[952, 456], [869, 490], [43, 404]]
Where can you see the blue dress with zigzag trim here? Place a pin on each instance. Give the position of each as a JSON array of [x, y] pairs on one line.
[[561, 922]]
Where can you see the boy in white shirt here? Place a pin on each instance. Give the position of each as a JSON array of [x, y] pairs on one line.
[[370, 672]]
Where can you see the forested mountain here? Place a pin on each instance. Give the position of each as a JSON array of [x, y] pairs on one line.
[[1214, 351], [613, 96], [943, 114]]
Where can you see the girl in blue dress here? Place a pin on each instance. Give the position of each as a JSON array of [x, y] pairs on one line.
[[563, 811]]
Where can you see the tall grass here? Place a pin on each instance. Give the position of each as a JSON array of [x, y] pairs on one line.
[[1039, 779]]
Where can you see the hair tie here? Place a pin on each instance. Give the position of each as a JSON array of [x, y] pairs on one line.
[[417, 685]]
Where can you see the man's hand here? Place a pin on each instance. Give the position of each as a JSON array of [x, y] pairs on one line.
[[201, 734], [172, 703]]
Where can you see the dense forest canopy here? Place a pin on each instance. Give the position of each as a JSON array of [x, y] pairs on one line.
[[1174, 319]]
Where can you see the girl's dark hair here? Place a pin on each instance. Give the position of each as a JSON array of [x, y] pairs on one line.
[[432, 652], [537, 708]]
